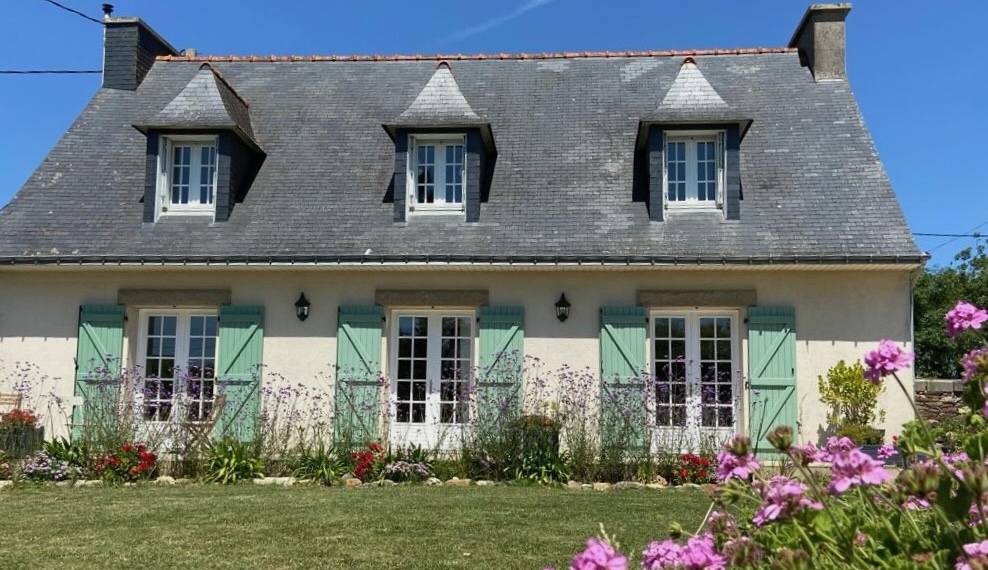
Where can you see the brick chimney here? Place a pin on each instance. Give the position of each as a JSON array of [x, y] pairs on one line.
[[129, 49], [820, 40]]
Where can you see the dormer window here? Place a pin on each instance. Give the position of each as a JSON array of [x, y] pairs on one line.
[[187, 184], [694, 169], [436, 173]]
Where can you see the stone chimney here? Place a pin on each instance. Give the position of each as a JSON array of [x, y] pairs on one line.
[[820, 40], [129, 49]]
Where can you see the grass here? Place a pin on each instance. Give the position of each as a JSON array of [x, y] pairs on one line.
[[247, 526]]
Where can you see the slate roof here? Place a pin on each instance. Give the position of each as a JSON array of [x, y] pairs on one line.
[[566, 125], [440, 103], [206, 102]]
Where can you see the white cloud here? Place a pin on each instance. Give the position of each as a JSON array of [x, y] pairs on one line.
[[519, 11]]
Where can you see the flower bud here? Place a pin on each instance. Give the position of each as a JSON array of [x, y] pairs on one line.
[[781, 438], [789, 559], [675, 530], [976, 477], [739, 446]]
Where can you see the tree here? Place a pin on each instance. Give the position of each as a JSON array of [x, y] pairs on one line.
[[937, 290]]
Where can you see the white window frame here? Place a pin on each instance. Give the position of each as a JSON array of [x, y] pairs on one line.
[[691, 137], [439, 206], [690, 438], [166, 146], [432, 433], [182, 328]]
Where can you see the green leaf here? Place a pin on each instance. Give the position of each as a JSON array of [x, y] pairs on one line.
[[976, 447]]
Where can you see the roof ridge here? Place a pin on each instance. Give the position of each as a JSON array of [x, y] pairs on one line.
[[463, 57]]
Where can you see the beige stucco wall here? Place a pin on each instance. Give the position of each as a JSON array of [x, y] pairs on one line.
[[838, 314]]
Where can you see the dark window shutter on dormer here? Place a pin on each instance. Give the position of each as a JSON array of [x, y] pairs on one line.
[[732, 165], [401, 175], [151, 176], [656, 148], [475, 156]]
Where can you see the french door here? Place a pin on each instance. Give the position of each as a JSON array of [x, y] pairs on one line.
[[431, 363], [696, 396]]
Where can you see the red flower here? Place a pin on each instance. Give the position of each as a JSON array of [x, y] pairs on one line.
[[375, 447], [128, 448]]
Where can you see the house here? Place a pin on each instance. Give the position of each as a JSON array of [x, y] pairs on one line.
[[718, 220]]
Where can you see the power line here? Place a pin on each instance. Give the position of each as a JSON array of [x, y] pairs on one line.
[[974, 235], [48, 71], [955, 238], [74, 11]]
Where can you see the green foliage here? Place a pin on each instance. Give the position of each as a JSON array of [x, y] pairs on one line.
[[74, 453], [861, 435], [317, 462], [852, 398], [230, 461], [937, 290]]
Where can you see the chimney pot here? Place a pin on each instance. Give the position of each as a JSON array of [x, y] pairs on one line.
[[189, 52], [107, 11], [820, 38]]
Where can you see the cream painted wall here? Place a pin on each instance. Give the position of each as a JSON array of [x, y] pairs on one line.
[[838, 314]]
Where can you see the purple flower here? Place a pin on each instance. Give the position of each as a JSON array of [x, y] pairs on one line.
[[964, 316], [698, 554], [730, 465], [782, 497], [599, 555], [886, 451], [886, 359], [976, 552], [855, 469], [975, 362]]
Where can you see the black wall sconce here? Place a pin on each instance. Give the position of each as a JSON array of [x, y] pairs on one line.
[[302, 307], [562, 308]]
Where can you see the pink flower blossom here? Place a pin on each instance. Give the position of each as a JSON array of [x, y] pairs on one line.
[[916, 504], [812, 453], [852, 468], [698, 554], [599, 555], [975, 362], [834, 446], [886, 359], [782, 497], [975, 552], [964, 316], [730, 465], [886, 451]]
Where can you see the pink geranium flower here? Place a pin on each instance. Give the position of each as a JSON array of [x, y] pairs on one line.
[[782, 497], [698, 554], [964, 316], [975, 362], [852, 468], [976, 552], [599, 555], [730, 465], [886, 359]]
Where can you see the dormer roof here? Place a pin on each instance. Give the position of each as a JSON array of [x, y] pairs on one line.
[[440, 102], [206, 102], [691, 99]]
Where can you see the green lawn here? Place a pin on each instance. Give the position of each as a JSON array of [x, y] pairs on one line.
[[248, 526]]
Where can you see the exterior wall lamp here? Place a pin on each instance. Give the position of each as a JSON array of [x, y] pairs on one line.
[[302, 307], [562, 308]]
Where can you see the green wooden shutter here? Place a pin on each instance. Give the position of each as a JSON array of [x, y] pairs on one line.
[[623, 413], [358, 374], [241, 331], [771, 373], [502, 358], [97, 365]]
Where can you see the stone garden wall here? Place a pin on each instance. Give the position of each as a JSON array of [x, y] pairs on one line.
[[938, 399]]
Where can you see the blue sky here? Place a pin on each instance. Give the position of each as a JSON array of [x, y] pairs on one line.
[[916, 66]]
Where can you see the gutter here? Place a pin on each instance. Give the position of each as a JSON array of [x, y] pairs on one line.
[[912, 261]]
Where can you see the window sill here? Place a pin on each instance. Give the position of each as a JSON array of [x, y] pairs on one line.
[[694, 207], [420, 211], [180, 212]]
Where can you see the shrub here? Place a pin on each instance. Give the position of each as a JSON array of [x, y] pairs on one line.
[[18, 419], [317, 462], [852, 398], [130, 463], [861, 435], [230, 461], [693, 468], [399, 471], [6, 466]]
